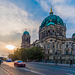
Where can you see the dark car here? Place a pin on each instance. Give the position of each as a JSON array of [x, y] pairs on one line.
[[19, 63]]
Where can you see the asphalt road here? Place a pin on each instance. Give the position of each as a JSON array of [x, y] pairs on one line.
[[36, 69], [2, 71]]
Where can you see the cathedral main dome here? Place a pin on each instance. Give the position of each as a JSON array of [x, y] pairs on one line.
[[54, 19]]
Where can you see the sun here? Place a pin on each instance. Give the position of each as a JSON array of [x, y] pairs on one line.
[[10, 47]]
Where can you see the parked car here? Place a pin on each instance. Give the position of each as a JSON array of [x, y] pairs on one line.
[[19, 63]]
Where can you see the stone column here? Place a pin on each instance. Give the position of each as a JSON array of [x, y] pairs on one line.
[[70, 48], [63, 46], [50, 47], [55, 46]]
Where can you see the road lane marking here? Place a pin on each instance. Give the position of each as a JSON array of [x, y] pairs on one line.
[[24, 69], [5, 71], [37, 72], [32, 71]]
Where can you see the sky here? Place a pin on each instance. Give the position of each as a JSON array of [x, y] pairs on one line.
[[18, 15]]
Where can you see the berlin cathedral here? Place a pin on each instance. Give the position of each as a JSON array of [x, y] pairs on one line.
[[52, 39]]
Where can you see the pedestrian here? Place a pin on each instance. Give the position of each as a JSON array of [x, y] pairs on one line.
[[71, 62], [0, 62]]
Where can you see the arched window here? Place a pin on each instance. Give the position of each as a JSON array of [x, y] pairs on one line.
[[66, 45], [48, 45], [66, 52], [27, 39], [53, 46], [60, 34], [71, 52], [53, 32], [48, 32]]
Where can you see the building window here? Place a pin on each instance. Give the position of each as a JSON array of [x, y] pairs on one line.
[[60, 46], [66, 45], [53, 32], [44, 46], [48, 32], [48, 46], [27, 39], [66, 52], [38, 46], [60, 33], [53, 46], [51, 40], [71, 52], [57, 46]]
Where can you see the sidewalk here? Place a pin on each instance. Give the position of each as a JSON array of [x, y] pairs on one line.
[[58, 64]]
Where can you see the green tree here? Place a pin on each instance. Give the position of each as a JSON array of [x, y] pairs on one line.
[[30, 53]]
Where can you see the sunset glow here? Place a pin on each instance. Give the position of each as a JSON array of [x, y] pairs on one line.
[[10, 47]]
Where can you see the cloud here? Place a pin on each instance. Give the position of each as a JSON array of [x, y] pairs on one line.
[[14, 20], [63, 9]]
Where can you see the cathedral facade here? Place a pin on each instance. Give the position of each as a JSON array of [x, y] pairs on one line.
[[52, 39]]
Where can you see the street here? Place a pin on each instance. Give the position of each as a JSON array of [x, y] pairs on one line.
[[8, 68], [3, 72]]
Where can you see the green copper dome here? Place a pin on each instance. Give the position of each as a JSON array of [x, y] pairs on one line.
[[26, 32], [73, 34], [52, 18]]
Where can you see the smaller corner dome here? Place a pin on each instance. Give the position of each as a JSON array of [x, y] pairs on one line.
[[51, 23], [26, 32], [73, 34]]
